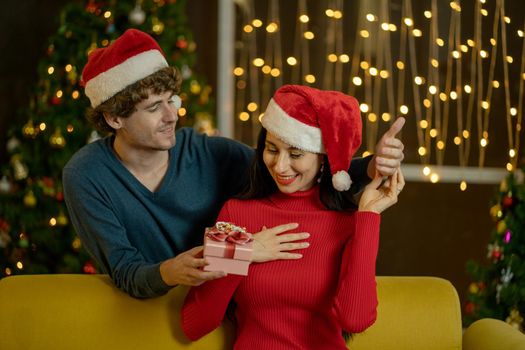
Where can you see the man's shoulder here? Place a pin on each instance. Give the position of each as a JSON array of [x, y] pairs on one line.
[[88, 156]]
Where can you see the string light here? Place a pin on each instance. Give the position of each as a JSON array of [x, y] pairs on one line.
[[266, 69], [432, 89], [470, 42], [384, 74], [484, 12], [428, 14], [513, 111], [244, 116], [182, 112], [408, 21], [426, 171], [329, 13], [483, 142], [418, 80], [370, 17], [457, 140], [258, 62], [252, 107], [385, 26], [363, 107], [357, 81], [495, 84], [434, 178], [275, 72], [422, 151], [417, 33], [364, 33], [238, 71], [509, 167], [309, 78], [466, 134], [50, 70], [344, 58], [463, 186], [248, 28], [467, 89], [107, 14], [304, 19], [272, 27], [400, 65], [423, 124], [440, 42], [386, 117], [292, 61], [433, 133], [373, 71], [257, 23], [364, 65], [372, 117], [512, 153], [453, 95], [403, 109], [308, 35]]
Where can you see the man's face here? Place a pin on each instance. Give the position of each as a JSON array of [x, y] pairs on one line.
[[152, 125]]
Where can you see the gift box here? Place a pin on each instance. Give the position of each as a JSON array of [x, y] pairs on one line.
[[228, 248]]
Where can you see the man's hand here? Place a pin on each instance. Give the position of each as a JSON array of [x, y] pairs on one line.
[[185, 269], [270, 244], [388, 153]]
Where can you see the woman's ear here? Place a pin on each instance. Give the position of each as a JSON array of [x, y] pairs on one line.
[[113, 121]]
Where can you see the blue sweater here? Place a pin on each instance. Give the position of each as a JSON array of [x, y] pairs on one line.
[[129, 230]]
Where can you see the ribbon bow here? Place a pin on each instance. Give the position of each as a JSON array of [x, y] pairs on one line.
[[228, 232]]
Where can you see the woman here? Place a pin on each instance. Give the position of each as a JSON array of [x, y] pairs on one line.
[[303, 152]]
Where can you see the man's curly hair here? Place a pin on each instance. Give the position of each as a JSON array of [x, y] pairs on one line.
[[123, 104]]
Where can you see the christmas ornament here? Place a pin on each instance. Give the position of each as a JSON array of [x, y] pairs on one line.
[[30, 199], [5, 185], [137, 16], [494, 251], [501, 226], [57, 140], [507, 237], [515, 319], [469, 308], [195, 87], [23, 242], [20, 171], [55, 100], [503, 186], [158, 26], [62, 219], [89, 268], [508, 201], [473, 288], [47, 185], [12, 144], [506, 276], [495, 212], [185, 72], [181, 43], [29, 130], [60, 196]]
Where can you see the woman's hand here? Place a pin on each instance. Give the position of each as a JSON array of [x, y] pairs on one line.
[[273, 244], [377, 197]]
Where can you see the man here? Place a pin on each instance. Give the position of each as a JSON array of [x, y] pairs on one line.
[[141, 198]]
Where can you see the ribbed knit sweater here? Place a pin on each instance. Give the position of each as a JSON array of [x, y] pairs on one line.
[[295, 304]]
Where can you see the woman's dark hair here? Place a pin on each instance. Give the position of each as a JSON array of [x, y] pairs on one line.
[[261, 184], [123, 103]]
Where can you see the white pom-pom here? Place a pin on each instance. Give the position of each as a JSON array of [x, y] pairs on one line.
[[341, 181]]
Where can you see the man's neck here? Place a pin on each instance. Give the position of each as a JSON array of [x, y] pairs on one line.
[[148, 165]]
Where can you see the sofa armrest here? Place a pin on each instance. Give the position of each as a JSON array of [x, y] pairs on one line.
[[492, 334]]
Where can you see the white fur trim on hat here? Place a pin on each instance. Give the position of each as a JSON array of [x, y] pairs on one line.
[[341, 181], [290, 130], [105, 85]]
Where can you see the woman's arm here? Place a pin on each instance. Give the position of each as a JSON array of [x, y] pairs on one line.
[[355, 300]]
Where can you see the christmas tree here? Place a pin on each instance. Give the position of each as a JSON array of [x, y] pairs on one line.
[[498, 287], [35, 233]]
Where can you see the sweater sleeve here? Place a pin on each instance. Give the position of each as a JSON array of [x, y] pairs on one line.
[[205, 305], [104, 237], [355, 304]]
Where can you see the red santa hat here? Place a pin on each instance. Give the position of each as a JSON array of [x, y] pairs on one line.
[[130, 58], [317, 121]]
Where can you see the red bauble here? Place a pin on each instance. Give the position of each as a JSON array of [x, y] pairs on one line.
[[182, 44], [507, 201], [469, 308], [89, 268], [60, 196], [55, 101]]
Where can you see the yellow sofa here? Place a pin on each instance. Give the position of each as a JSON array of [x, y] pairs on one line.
[[88, 312]]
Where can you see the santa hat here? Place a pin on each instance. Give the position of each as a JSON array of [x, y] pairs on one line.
[[317, 121], [130, 58]]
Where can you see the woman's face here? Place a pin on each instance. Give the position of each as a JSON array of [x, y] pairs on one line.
[[292, 169]]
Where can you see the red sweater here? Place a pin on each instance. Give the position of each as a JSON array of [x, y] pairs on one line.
[[295, 304]]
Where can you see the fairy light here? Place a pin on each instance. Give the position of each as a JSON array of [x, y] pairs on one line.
[[357, 81], [483, 142], [453, 95], [70, 128], [42, 126], [509, 167], [466, 134], [433, 133], [435, 63], [309, 78], [364, 33], [464, 48], [266, 69], [338, 14], [257, 23], [484, 12], [427, 103], [440, 42], [418, 80], [344, 58], [492, 41], [304, 19], [403, 109], [371, 17], [373, 71], [384, 74], [512, 153], [182, 112], [107, 14], [509, 59], [252, 107], [385, 26], [432, 89], [372, 117], [422, 151], [423, 124], [52, 222], [238, 71], [457, 140], [260, 117], [272, 27], [467, 89], [68, 68], [408, 21], [456, 54], [19, 265], [275, 72], [485, 104], [386, 117], [513, 111], [495, 84], [507, 19], [417, 33], [440, 145], [426, 171], [75, 94], [428, 14], [248, 28], [470, 42], [332, 57], [292, 61], [364, 65], [244, 116], [520, 33], [258, 62], [392, 27], [434, 178], [442, 96], [50, 70], [363, 107], [329, 12], [463, 186], [366, 154], [400, 65], [308, 35], [59, 94]]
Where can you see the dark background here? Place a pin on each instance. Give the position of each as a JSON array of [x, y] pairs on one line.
[[433, 230]]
